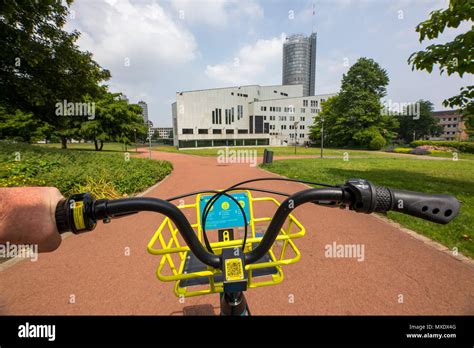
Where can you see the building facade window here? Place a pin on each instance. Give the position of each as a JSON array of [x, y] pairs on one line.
[[240, 111], [217, 131], [187, 131], [305, 102], [203, 131]]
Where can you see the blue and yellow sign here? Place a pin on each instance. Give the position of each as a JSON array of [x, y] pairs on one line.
[[225, 213]]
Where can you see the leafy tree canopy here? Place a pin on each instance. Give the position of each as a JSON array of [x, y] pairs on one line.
[[419, 126], [455, 57], [353, 117]]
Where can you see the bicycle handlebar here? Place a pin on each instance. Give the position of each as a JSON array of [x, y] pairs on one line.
[[80, 213]]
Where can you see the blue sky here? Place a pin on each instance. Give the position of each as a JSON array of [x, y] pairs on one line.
[[157, 48]]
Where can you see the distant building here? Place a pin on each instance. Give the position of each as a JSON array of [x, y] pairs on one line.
[[164, 132], [452, 123], [299, 62], [244, 115], [144, 107]]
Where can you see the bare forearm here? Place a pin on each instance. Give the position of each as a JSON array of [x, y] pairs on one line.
[[27, 216]]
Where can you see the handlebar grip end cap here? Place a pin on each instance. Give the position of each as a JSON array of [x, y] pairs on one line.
[[75, 214], [61, 217]]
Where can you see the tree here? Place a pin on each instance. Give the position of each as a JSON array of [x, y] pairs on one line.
[[452, 57], [353, 117], [40, 64], [115, 120], [413, 127], [22, 126]]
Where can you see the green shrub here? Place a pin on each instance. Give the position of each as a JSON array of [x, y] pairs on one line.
[[109, 174], [405, 150], [377, 143], [363, 137], [462, 146]]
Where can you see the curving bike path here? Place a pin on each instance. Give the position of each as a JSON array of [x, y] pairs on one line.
[[92, 273]]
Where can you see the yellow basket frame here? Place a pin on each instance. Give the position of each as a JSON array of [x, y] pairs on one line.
[[172, 246]]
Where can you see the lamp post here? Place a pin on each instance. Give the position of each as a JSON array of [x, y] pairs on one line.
[[296, 133], [135, 131], [322, 135], [150, 133]]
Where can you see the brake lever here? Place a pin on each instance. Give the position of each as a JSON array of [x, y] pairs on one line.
[[329, 204]]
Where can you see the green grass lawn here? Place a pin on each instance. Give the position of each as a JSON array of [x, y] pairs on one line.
[[108, 147], [105, 174], [445, 154], [451, 177], [278, 151], [312, 151]]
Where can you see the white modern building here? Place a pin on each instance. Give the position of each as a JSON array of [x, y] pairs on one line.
[[164, 132], [244, 115]]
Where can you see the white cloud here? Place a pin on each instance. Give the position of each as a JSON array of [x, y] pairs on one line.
[[115, 30], [216, 12], [258, 63]]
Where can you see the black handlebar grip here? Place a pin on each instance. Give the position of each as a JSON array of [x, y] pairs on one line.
[[383, 199], [438, 208]]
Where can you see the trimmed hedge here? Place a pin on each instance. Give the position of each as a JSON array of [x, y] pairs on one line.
[[462, 146]]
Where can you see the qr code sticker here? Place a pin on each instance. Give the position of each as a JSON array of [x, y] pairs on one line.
[[234, 269]]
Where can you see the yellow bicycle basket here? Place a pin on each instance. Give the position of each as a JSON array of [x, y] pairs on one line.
[[193, 278]]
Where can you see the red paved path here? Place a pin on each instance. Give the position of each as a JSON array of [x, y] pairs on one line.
[[94, 269]]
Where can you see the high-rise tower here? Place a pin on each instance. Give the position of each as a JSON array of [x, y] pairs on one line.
[[144, 107], [299, 62]]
